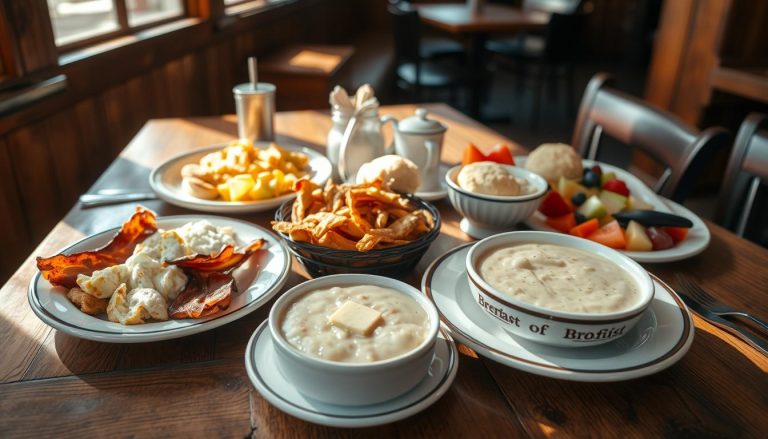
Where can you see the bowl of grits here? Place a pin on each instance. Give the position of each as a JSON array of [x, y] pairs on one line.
[[354, 339], [556, 289], [493, 197]]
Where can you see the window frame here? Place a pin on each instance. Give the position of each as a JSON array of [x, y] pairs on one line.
[[121, 12]]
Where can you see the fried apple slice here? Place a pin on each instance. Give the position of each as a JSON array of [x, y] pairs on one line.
[[62, 270]]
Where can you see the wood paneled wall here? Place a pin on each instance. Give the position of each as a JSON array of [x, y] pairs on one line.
[[52, 153]]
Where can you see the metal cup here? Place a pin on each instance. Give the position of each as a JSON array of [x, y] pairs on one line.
[[255, 107]]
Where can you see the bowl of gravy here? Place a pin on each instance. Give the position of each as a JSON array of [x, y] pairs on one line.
[[354, 339], [557, 289]]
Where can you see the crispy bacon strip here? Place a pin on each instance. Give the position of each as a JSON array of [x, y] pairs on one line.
[[203, 296], [210, 285], [62, 270], [227, 260]]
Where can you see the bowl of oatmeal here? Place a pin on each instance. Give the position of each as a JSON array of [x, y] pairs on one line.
[[493, 197], [354, 339], [557, 289]]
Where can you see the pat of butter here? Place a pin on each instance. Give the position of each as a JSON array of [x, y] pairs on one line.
[[356, 318]]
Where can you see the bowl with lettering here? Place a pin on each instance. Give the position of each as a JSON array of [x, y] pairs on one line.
[[332, 345], [484, 214], [557, 289]]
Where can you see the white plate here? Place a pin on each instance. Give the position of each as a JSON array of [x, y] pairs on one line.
[[257, 281], [262, 369], [442, 193], [166, 179], [662, 337], [698, 236]]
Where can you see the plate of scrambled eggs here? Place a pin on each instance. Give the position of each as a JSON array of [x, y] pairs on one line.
[[238, 177], [140, 289]]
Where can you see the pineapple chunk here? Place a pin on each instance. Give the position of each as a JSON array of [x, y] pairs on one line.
[[637, 239], [240, 186]]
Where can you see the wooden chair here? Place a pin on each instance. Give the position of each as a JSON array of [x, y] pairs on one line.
[[434, 48], [682, 151], [747, 170], [412, 69]]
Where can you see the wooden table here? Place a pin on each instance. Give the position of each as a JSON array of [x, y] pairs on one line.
[[55, 384], [460, 20]]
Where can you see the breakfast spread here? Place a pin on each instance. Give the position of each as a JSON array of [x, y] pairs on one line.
[[559, 278], [149, 274], [491, 178], [356, 324], [243, 172], [394, 172], [353, 217]]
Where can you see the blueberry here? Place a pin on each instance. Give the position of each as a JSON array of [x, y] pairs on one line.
[[578, 198], [590, 179], [580, 218]]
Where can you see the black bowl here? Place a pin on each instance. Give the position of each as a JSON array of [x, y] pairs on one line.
[[321, 261]]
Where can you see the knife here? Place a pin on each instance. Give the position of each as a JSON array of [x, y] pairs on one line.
[[651, 218], [728, 326], [93, 200]]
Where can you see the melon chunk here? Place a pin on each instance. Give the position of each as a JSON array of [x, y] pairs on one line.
[[637, 239]]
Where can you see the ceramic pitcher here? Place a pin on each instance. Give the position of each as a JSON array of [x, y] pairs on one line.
[[420, 140]]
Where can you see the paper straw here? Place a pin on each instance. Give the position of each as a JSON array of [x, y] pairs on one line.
[[252, 71]]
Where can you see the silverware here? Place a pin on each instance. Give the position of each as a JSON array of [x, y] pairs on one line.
[[726, 325], [103, 199], [707, 301]]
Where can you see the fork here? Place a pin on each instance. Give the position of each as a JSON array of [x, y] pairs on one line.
[[712, 304]]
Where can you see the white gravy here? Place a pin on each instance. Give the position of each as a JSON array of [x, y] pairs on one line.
[[307, 327], [559, 278]]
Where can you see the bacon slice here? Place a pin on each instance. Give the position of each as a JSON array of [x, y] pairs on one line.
[[62, 270], [210, 285], [203, 296], [227, 260]]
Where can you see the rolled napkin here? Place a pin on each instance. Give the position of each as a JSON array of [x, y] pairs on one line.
[[364, 97]]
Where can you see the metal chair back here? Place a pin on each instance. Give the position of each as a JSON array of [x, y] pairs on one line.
[[682, 151], [747, 170]]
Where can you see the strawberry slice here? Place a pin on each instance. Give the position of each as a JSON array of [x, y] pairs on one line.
[[472, 155], [554, 205], [616, 186], [501, 154]]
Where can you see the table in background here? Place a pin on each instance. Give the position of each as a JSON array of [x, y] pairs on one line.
[[461, 21], [55, 384]]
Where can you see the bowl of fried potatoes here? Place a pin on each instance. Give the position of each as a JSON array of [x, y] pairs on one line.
[[363, 228]]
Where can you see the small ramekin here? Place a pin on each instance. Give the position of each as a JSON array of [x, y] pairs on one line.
[[489, 214], [353, 383], [553, 327]]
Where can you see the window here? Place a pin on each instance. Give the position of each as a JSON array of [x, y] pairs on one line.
[[76, 21]]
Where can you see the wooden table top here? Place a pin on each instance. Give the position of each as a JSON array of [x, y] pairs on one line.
[[55, 384], [491, 18]]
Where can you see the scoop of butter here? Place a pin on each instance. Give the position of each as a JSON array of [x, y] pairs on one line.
[[356, 318]]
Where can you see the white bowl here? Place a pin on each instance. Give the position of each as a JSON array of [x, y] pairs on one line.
[[554, 327], [485, 215], [353, 383]]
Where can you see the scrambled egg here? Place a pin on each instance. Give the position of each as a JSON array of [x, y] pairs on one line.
[[141, 288], [137, 306]]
